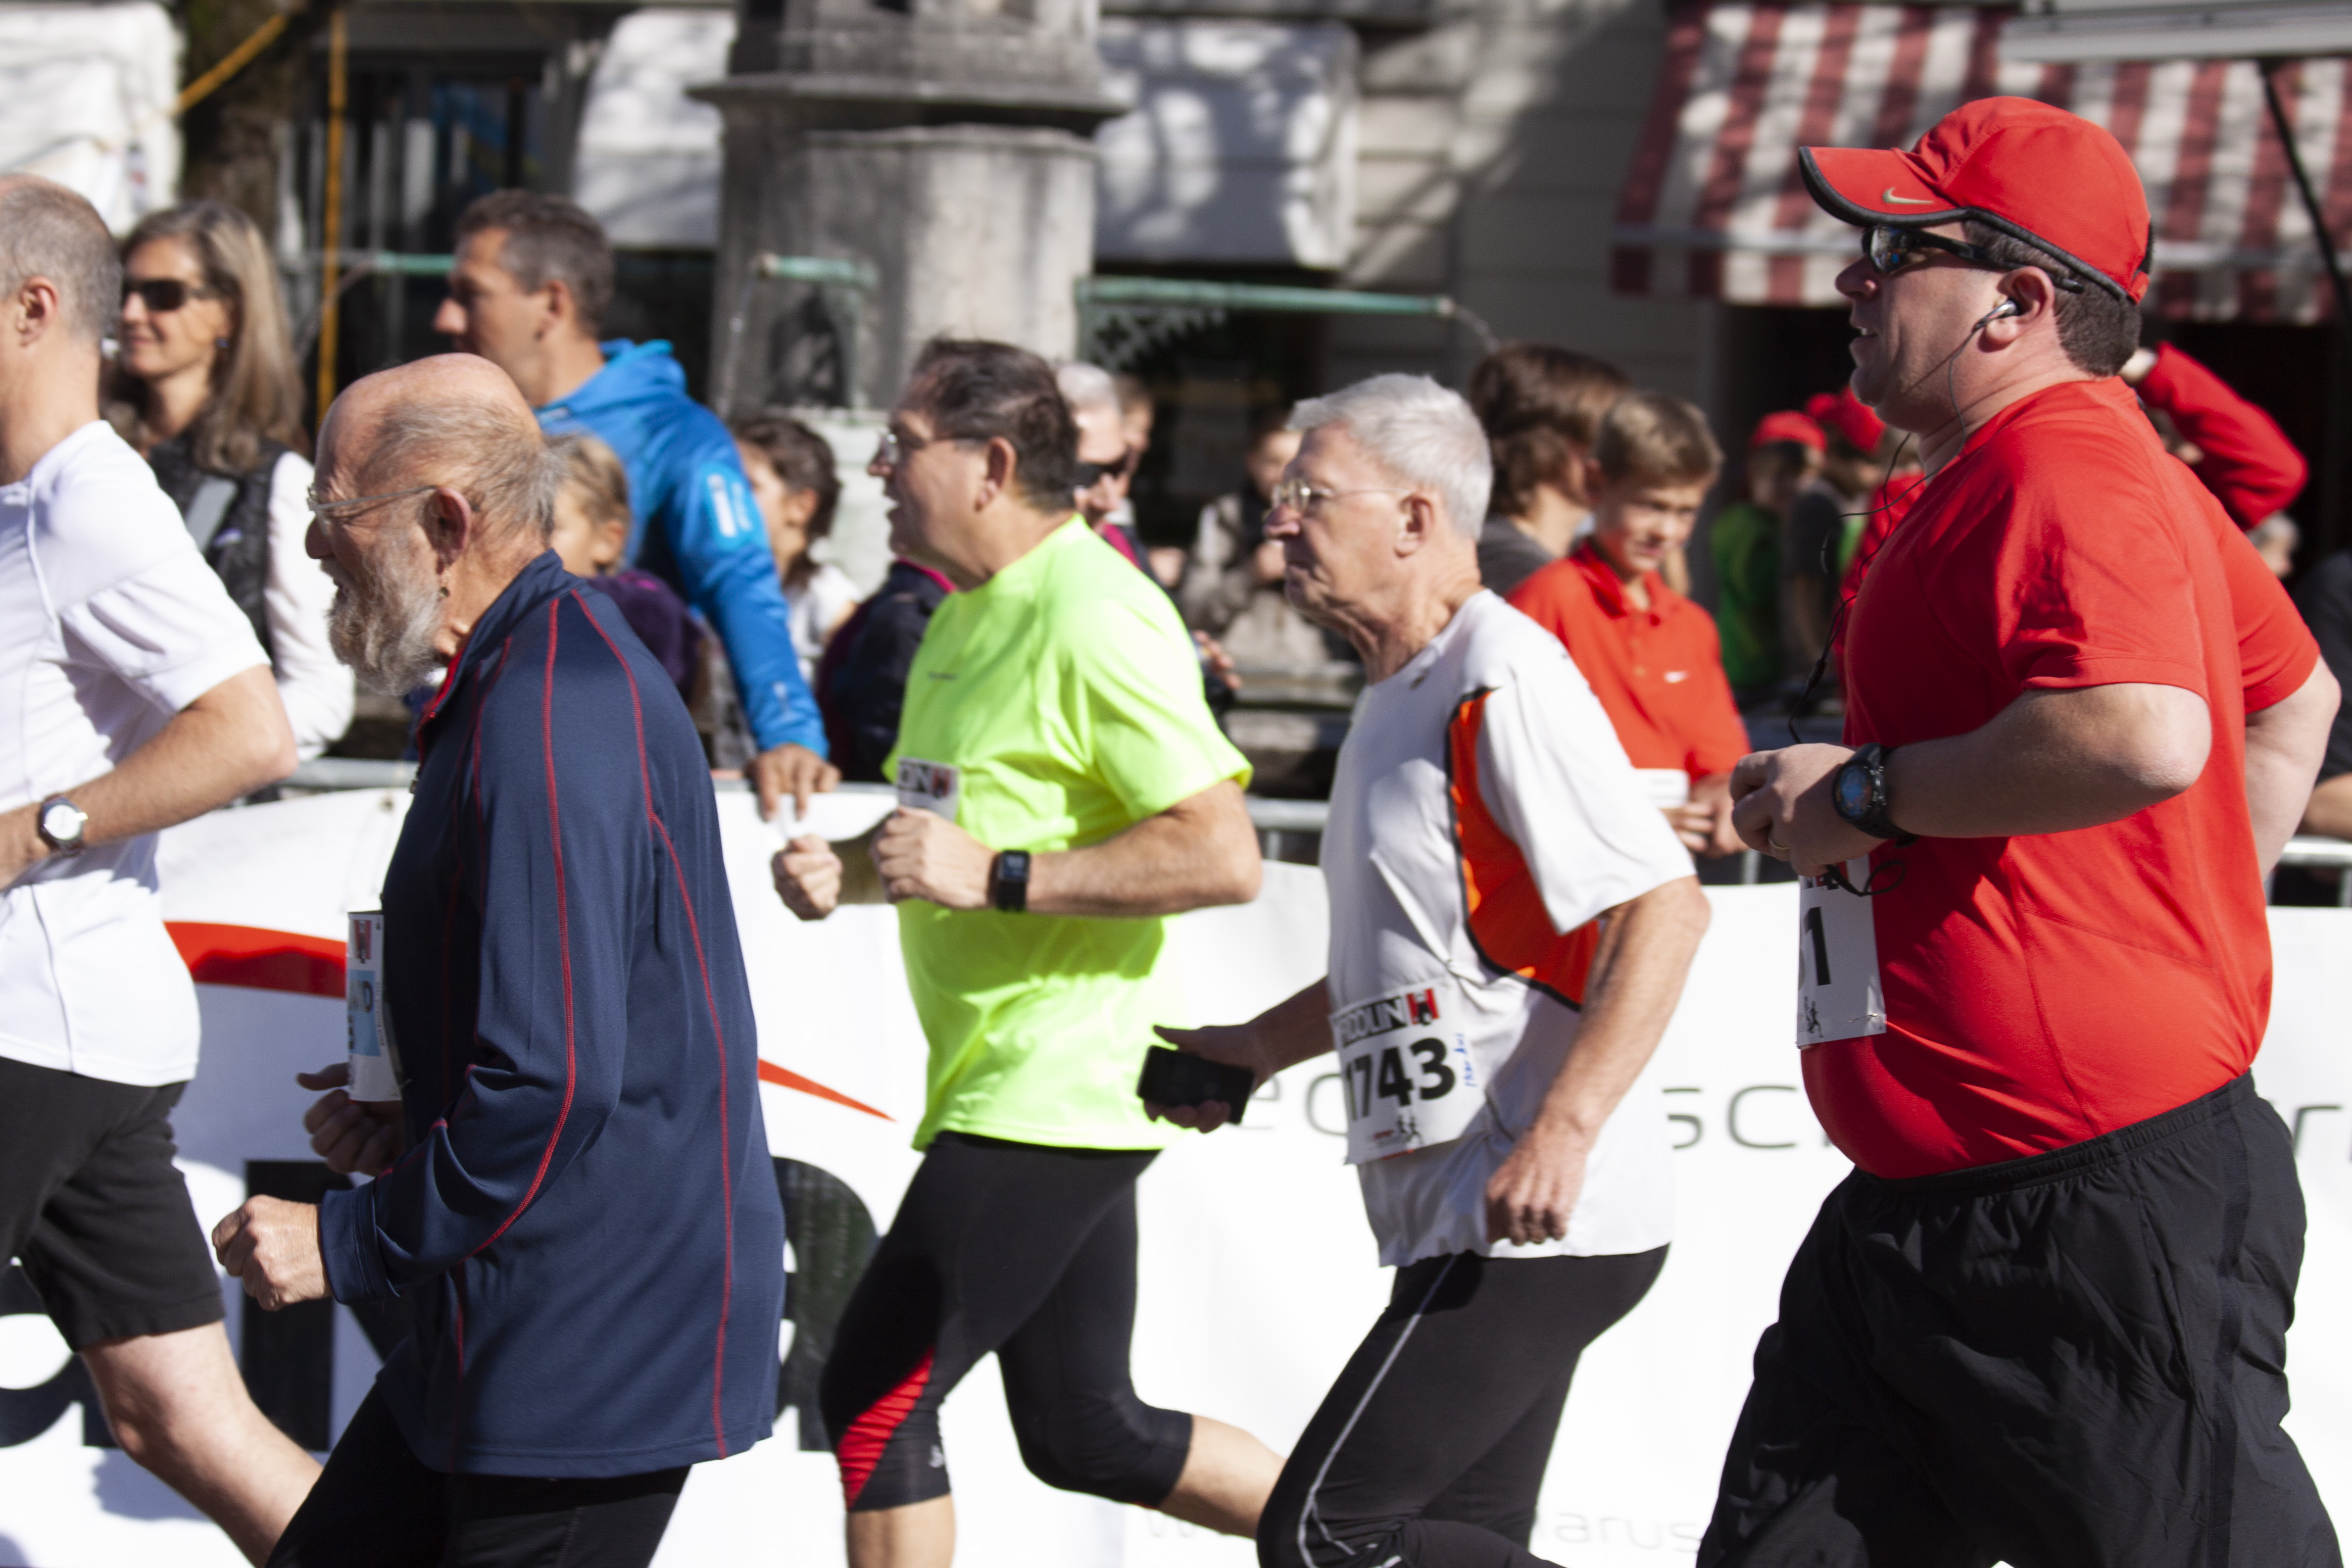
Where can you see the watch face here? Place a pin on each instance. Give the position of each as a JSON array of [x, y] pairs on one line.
[[61, 821], [1849, 791]]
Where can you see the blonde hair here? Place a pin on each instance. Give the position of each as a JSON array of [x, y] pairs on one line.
[[594, 476], [257, 392], [1655, 439]]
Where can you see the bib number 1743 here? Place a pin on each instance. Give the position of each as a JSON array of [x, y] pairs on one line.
[[1407, 1070], [1838, 991]]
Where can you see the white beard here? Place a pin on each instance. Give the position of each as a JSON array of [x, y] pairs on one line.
[[382, 625]]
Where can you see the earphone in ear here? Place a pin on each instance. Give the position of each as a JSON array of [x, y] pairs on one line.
[[2006, 308]]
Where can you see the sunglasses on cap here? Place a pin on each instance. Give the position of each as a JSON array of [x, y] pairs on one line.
[[162, 294], [1092, 474], [1889, 250]]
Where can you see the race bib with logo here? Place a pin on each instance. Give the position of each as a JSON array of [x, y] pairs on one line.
[[1408, 1070], [1838, 994], [934, 788]]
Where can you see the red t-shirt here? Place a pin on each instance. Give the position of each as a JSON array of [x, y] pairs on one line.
[[1658, 672], [2047, 988]]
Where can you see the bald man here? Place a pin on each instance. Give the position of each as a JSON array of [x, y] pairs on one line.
[[574, 1193]]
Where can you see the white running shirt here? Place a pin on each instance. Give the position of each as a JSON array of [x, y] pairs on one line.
[[109, 623], [1483, 814]]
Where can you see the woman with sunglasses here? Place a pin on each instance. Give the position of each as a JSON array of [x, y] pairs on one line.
[[205, 385]]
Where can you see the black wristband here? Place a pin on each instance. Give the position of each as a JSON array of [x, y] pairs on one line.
[[1859, 793], [1008, 881]]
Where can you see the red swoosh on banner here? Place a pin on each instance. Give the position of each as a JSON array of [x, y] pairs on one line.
[[263, 960], [259, 960], [784, 1077]]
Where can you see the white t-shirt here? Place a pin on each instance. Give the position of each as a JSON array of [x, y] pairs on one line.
[[1482, 815], [109, 623], [298, 595], [817, 606]]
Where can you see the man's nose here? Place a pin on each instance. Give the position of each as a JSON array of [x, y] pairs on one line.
[[314, 542], [450, 319], [1859, 280]]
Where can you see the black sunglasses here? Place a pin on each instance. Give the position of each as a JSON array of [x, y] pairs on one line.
[[162, 294], [1890, 249], [1092, 474]]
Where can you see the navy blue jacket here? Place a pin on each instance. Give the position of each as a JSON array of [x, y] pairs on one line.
[[586, 1215], [697, 527]]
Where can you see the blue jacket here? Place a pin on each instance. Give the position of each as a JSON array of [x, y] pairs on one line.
[[697, 527], [586, 1216]]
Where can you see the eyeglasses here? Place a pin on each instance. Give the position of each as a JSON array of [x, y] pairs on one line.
[[162, 295], [1297, 495], [343, 511], [1890, 249], [1092, 474], [897, 445]]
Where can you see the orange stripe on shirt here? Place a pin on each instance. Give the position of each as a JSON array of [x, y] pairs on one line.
[[1508, 923]]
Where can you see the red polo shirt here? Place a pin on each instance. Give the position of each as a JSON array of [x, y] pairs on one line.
[[1658, 672], [2047, 988]]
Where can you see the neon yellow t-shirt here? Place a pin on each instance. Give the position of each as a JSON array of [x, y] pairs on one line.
[[1067, 695]]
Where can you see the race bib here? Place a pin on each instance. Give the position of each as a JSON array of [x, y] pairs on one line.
[[1406, 1066], [934, 788], [1838, 994]]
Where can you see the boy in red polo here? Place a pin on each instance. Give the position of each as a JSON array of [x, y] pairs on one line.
[[2044, 1320], [1650, 655]]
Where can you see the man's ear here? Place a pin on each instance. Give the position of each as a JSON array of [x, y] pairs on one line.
[[2028, 302], [1000, 467], [558, 308], [1418, 525], [449, 524], [36, 311]]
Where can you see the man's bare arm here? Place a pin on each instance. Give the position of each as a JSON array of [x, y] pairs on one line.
[[2286, 744], [1635, 984], [1200, 852], [232, 741]]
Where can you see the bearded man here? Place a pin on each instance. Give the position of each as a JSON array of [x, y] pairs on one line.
[[573, 1027]]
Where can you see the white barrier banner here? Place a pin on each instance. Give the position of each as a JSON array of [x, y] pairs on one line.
[[1258, 1274]]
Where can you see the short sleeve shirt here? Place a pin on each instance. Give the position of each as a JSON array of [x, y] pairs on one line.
[[1067, 695], [2048, 988], [1658, 672], [1483, 815], [109, 623]]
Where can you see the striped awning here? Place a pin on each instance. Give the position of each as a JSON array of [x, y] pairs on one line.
[[1713, 206]]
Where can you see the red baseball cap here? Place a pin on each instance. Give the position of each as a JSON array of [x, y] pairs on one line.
[[1847, 414], [1787, 425], [2034, 173]]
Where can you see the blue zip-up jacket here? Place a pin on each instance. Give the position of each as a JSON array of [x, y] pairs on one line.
[[697, 527], [586, 1215]]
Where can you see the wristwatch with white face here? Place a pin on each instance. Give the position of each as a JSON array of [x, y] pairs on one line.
[[60, 822]]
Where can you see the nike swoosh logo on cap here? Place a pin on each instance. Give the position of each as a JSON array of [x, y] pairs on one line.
[[1907, 201]]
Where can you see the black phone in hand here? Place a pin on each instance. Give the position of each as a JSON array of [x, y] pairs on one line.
[[1179, 1077]]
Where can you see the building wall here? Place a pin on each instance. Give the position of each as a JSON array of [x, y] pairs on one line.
[[1493, 147]]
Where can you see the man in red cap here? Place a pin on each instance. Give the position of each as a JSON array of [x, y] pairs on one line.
[[2043, 1320]]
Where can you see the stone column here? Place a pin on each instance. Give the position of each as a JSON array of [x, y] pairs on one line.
[[947, 145]]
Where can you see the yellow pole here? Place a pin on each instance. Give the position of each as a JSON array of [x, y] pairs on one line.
[[236, 60], [331, 228]]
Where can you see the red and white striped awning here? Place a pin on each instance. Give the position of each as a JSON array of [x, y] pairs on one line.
[[1713, 206]]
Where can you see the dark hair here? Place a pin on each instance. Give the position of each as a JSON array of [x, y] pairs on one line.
[[1778, 458], [803, 460], [1535, 401], [547, 238], [47, 231], [256, 385], [2098, 330], [976, 391], [1656, 440]]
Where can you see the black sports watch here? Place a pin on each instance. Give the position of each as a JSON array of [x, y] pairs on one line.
[[1858, 790], [60, 824], [1008, 881]]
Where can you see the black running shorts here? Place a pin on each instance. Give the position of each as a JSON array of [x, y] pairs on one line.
[[1025, 1251], [2071, 1361], [93, 1207]]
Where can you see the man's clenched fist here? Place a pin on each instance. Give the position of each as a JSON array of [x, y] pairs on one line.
[[272, 1245], [808, 877]]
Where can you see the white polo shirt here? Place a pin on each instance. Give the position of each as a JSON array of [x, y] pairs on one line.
[[1482, 815], [109, 623]]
